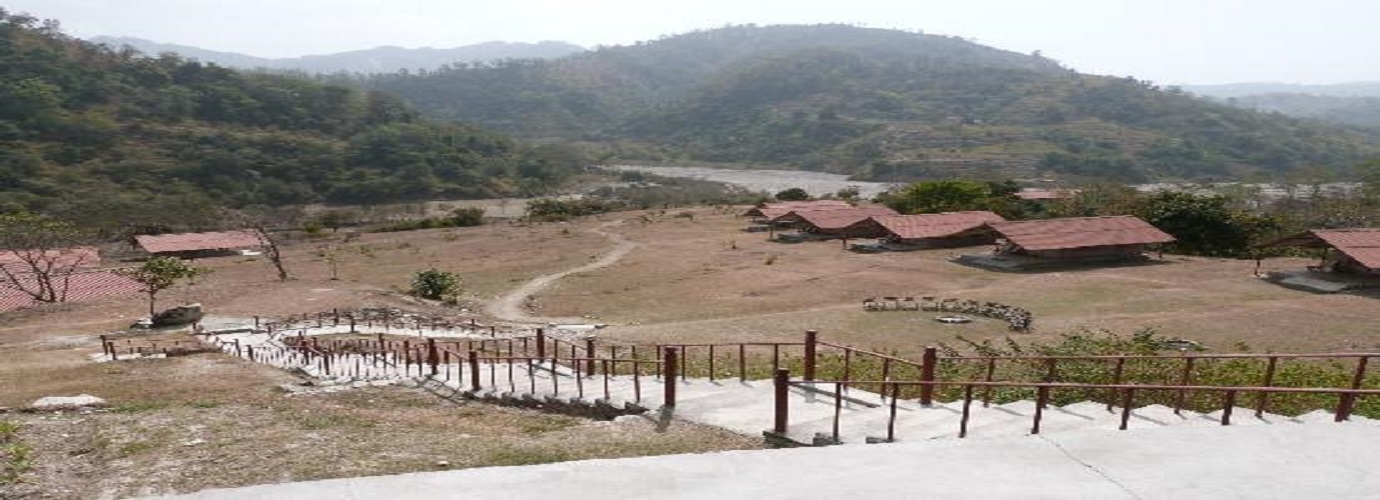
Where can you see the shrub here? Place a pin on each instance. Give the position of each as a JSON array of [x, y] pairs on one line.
[[436, 285]]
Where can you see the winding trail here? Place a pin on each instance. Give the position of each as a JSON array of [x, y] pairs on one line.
[[509, 307]]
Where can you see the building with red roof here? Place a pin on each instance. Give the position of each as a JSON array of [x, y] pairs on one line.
[[192, 245], [770, 211], [1350, 250], [837, 223], [1078, 239], [948, 229]]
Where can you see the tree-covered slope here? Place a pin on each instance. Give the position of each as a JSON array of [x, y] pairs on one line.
[[883, 104], [81, 124]]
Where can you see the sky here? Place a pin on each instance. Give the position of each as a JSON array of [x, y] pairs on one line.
[[1166, 41]]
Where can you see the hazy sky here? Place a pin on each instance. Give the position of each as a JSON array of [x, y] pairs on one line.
[[1168, 41]]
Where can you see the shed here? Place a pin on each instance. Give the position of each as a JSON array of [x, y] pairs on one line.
[[193, 245], [1349, 250], [771, 211], [947, 229], [1087, 239], [838, 223]]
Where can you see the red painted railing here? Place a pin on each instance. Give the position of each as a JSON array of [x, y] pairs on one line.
[[1346, 398]]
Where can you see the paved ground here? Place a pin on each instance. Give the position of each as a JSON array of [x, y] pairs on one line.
[[1318, 461]]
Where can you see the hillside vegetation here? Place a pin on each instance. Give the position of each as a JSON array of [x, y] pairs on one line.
[[88, 130], [881, 104]]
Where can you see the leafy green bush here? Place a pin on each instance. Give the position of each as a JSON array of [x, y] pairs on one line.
[[436, 285]]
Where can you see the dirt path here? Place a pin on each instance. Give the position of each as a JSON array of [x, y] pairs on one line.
[[510, 307]]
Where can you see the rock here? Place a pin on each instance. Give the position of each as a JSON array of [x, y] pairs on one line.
[[180, 315], [443, 463], [627, 419], [67, 402]]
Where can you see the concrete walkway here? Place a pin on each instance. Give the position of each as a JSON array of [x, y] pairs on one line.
[[1319, 461]]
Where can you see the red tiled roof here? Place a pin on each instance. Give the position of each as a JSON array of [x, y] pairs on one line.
[[909, 227], [1362, 244], [75, 256], [840, 218], [774, 210], [1080, 232], [185, 242], [86, 285]]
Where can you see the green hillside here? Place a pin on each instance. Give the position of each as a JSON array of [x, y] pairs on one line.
[[882, 104], [87, 129]]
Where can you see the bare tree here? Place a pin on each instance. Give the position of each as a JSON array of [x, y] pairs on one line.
[[39, 254], [261, 220]]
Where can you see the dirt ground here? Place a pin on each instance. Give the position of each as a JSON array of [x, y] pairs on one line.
[[209, 420]]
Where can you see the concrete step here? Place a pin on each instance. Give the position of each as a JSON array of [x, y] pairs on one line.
[[748, 410], [858, 423], [1246, 416]]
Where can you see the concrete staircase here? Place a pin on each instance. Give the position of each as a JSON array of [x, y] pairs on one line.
[[746, 407]]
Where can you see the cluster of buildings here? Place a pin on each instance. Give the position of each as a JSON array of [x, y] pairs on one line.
[[1030, 244]]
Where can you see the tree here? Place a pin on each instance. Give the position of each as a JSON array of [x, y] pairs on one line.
[[44, 255], [1205, 225], [435, 285], [161, 273], [938, 196], [336, 219], [793, 194], [467, 217]]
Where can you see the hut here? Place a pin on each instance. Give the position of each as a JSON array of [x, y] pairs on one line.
[[948, 229], [837, 223], [1069, 241], [195, 245], [769, 211], [1348, 251]]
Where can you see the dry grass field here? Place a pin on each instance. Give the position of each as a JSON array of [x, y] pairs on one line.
[[209, 420]]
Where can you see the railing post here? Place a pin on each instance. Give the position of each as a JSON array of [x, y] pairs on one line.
[[1227, 406], [927, 366], [668, 377], [811, 337], [1041, 398], [589, 353], [474, 370], [1263, 399], [541, 343], [432, 357], [782, 383], [1348, 400]]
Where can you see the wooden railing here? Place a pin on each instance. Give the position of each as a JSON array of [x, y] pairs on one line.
[[1346, 398]]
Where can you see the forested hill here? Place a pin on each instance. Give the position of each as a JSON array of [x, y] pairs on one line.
[[883, 104], [84, 129]]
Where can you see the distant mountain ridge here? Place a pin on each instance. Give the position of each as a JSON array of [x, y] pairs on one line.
[[385, 59], [1355, 103], [882, 105], [1228, 90]]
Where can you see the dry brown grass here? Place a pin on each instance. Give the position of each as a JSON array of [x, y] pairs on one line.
[[204, 421], [691, 280]]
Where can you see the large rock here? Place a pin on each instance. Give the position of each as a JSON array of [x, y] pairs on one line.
[[180, 315], [66, 402]]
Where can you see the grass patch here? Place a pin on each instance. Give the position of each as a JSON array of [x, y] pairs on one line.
[[525, 455], [16, 458]]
